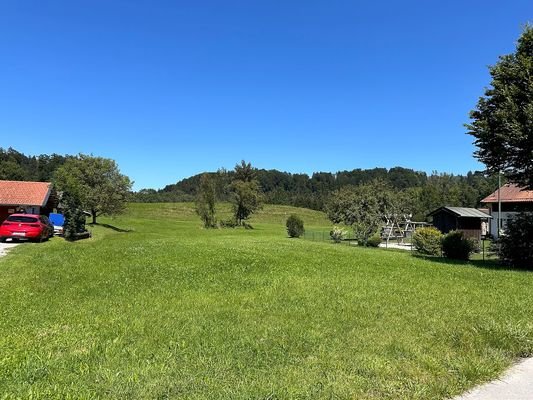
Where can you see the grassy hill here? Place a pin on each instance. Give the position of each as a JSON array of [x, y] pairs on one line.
[[154, 306], [270, 214]]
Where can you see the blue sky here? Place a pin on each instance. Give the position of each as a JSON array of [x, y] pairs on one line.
[[172, 88]]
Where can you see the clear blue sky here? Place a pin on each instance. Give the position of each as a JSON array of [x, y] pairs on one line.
[[173, 88]]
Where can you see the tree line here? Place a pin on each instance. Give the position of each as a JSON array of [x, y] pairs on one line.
[[16, 166], [423, 192]]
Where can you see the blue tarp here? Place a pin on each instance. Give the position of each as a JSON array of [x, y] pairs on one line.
[[57, 219]]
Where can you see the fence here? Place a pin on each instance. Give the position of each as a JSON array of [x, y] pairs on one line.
[[483, 249], [324, 236]]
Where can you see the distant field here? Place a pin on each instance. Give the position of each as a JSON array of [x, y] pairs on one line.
[[155, 307]]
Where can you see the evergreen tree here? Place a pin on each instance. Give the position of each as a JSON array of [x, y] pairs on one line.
[[502, 123], [74, 216]]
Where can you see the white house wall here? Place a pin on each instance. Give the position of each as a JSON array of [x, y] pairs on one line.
[[505, 216]]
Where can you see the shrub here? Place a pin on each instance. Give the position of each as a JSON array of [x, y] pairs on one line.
[[456, 245], [428, 241], [337, 234], [374, 241], [295, 226], [516, 246]]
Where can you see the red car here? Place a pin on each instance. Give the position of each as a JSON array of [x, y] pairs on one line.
[[26, 226]]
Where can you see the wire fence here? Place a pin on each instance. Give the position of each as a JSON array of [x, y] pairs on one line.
[[325, 236], [484, 249], [348, 238]]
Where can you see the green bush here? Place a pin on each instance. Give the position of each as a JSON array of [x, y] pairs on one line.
[[295, 226], [428, 241], [374, 241], [516, 246], [337, 234], [455, 245]]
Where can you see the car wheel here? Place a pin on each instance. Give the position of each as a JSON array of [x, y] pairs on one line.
[[3, 239]]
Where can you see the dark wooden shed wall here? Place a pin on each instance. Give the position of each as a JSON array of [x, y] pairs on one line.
[[445, 222]]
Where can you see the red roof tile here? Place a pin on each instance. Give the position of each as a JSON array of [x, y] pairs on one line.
[[510, 193], [24, 193]]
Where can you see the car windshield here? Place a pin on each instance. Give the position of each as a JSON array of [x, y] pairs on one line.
[[21, 218]]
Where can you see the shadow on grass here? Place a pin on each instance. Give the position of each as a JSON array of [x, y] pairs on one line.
[[486, 264], [115, 228]]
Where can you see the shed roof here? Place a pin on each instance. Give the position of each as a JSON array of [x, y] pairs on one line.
[[510, 193], [463, 212], [24, 193]]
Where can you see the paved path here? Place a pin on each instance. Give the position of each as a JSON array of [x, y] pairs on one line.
[[394, 245], [4, 247], [515, 384]]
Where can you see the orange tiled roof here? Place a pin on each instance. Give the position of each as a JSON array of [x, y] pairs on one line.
[[510, 193], [24, 193]]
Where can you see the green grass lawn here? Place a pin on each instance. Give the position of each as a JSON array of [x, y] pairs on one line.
[[155, 307]]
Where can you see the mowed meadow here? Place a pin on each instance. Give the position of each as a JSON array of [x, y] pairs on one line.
[[155, 307]]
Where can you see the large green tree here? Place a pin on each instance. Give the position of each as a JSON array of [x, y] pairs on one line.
[[246, 192], [96, 182], [366, 207], [502, 122]]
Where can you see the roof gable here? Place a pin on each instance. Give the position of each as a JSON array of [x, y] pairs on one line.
[[510, 193], [24, 193]]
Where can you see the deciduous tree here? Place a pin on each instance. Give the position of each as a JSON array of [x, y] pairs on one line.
[[246, 193], [364, 208], [206, 201], [96, 182]]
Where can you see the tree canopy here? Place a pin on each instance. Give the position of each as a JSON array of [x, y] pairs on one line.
[[502, 122], [15, 166], [246, 193], [365, 207], [96, 182]]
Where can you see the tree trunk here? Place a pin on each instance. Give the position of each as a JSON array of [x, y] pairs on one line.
[[93, 213]]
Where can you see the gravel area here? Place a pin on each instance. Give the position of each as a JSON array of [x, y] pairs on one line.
[[4, 247]]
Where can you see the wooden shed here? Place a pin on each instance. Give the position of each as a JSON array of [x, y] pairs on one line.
[[471, 221]]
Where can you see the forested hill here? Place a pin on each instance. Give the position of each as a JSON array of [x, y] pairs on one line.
[[15, 166], [426, 192]]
